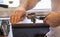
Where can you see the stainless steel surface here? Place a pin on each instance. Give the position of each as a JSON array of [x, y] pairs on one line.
[[6, 27], [10, 33]]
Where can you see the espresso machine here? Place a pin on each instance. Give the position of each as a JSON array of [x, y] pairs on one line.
[[30, 27]]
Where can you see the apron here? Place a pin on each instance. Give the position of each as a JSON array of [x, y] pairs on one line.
[[54, 32]]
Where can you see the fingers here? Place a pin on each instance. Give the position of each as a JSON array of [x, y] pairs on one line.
[[17, 16], [14, 19], [46, 17]]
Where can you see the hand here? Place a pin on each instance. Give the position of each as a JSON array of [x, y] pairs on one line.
[[17, 16], [53, 19]]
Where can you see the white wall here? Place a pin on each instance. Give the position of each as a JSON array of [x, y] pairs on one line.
[[14, 4], [43, 4]]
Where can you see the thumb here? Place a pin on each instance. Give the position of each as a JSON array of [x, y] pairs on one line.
[[46, 17]]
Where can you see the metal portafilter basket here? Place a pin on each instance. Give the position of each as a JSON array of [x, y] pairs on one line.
[[5, 26]]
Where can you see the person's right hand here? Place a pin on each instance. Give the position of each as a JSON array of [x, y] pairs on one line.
[[53, 19], [17, 16]]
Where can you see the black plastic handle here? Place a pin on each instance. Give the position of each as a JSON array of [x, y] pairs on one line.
[[3, 5]]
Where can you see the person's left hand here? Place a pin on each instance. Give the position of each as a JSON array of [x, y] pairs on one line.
[[18, 15]]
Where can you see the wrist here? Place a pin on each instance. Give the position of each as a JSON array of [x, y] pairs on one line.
[[21, 8]]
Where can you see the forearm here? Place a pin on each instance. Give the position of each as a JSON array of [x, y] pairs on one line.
[[28, 4]]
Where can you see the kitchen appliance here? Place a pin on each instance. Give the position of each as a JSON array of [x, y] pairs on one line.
[[32, 25]]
